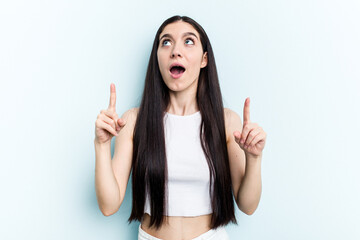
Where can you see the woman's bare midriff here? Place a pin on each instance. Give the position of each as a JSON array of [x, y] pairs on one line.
[[175, 228]]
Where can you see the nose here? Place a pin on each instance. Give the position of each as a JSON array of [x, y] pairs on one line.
[[173, 55], [175, 52]]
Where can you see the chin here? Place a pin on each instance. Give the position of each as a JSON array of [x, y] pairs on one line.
[[177, 85], [175, 88]]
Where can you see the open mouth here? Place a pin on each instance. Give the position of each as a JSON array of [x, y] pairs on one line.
[[177, 71]]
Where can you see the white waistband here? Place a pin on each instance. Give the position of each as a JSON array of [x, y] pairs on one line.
[[213, 234]]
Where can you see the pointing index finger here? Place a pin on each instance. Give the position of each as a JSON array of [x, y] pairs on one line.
[[247, 110], [112, 97]]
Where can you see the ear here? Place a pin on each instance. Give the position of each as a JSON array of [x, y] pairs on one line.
[[204, 60]]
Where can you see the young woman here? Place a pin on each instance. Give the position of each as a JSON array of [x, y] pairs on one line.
[[189, 156]]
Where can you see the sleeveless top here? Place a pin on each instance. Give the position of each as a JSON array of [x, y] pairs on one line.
[[188, 171]]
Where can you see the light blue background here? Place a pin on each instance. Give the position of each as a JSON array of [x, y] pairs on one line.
[[298, 61]]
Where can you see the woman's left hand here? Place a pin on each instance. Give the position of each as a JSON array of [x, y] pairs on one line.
[[253, 137]]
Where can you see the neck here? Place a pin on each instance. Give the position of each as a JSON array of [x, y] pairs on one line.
[[182, 103]]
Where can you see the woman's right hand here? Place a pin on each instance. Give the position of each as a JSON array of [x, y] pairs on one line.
[[108, 124]]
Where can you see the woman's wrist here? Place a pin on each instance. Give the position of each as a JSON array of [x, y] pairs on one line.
[[100, 144]]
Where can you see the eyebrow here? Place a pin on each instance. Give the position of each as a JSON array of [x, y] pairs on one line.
[[185, 34]]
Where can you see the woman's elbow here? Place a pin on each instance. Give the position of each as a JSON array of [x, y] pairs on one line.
[[247, 211], [109, 211]]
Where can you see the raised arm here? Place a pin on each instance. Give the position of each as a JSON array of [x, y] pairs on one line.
[[245, 144], [111, 175]]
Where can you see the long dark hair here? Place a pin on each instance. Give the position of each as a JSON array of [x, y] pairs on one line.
[[149, 168]]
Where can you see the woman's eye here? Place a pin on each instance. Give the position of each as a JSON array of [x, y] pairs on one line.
[[190, 41], [164, 43]]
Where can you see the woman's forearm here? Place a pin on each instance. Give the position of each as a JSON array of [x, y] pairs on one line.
[[250, 188], [107, 189]]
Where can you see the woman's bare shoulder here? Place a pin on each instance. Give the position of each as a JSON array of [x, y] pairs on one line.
[[130, 117], [230, 114], [232, 121]]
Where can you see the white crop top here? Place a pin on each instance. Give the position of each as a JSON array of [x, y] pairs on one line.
[[188, 171]]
